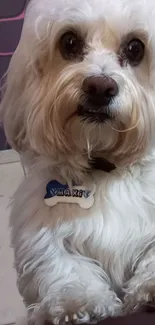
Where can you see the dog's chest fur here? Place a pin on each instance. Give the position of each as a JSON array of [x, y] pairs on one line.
[[115, 231]]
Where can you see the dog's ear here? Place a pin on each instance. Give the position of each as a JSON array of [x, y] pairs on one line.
[[27, 105], [19, 83], [24, 93]]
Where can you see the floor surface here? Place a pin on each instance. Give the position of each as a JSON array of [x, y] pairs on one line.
[[11, 174]]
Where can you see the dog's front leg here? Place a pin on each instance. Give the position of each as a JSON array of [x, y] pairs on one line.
[[61, 285], [140, 289]]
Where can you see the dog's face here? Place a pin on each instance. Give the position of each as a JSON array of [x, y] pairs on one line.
[[82, 80]]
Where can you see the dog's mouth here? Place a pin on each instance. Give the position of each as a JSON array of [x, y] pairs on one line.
[[94, 114], [98, 115]]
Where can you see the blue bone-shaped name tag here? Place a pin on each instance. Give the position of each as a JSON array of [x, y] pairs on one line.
[[61, 193]]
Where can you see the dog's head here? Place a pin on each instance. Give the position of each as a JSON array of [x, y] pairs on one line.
[[82, 80]]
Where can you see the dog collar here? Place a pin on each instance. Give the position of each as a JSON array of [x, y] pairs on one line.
[[102, 164], [83, 195]]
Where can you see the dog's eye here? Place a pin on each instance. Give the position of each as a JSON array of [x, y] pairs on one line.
[[134, 51], [71, 46]]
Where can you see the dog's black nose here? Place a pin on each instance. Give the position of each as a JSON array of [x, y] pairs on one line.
[[100, 90]]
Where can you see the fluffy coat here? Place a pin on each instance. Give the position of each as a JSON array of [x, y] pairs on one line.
[[76, 264]]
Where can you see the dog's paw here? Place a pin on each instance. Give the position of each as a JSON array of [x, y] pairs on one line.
[[90, 315], [139, 300], [93, 310], [72, 318]]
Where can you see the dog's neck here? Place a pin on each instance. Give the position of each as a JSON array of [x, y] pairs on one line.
[[102, 164]]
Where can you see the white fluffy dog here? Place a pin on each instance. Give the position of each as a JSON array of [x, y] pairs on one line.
[[81, 88]]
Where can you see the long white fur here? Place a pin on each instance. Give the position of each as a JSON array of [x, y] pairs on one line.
[[76, 264]]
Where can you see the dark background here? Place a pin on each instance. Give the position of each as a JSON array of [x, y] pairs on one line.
[[11, 22]]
